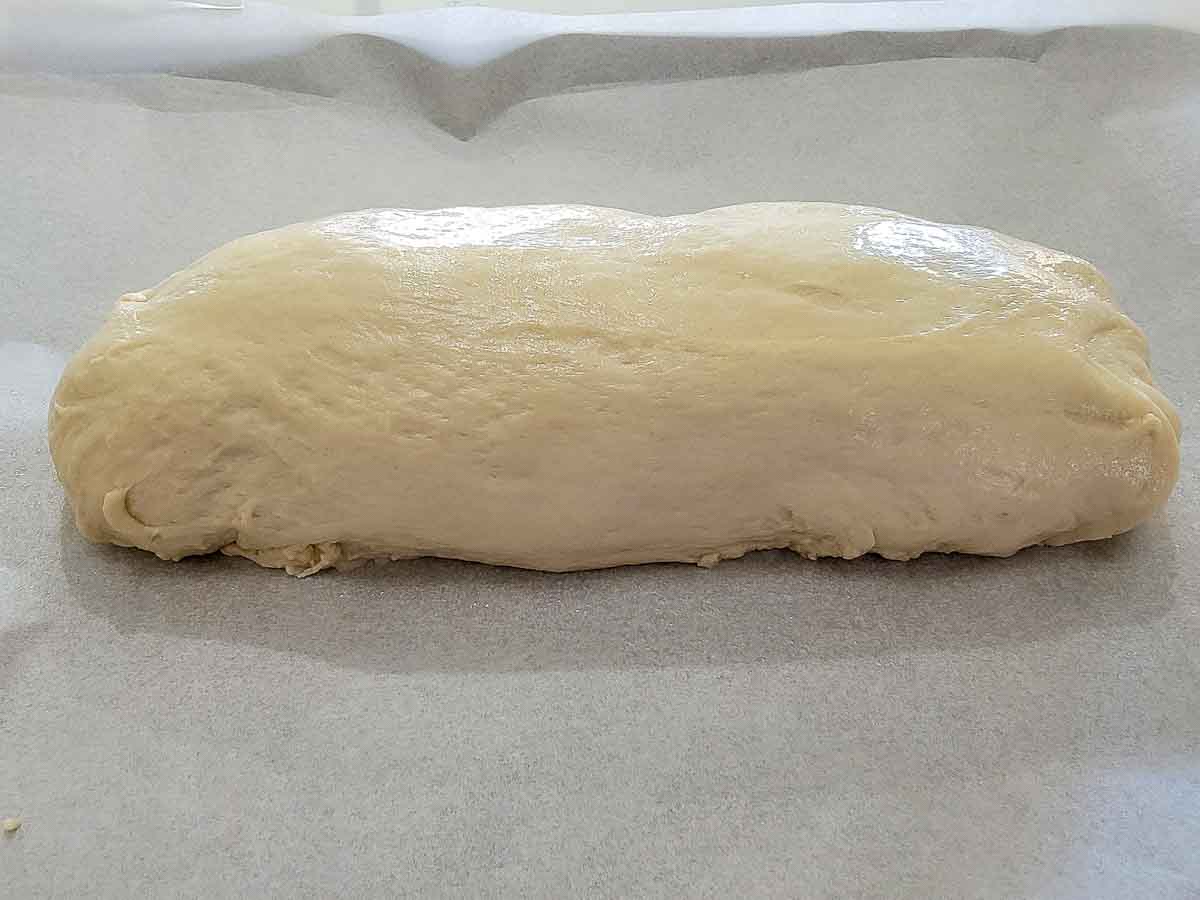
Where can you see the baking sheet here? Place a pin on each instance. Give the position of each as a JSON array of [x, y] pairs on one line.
[[949, 727]]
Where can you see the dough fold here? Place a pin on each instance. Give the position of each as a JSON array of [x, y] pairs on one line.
[[569, 387]]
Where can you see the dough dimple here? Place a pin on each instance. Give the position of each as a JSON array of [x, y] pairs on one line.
[[566, 387]]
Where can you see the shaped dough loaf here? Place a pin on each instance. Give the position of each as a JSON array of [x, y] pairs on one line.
[[568, 387]]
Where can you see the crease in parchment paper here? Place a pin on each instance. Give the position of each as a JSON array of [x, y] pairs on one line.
[[463, 100]]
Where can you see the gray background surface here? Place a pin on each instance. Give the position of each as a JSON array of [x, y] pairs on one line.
[[949, 727]]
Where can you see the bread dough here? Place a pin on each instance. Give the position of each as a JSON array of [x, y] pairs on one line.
[[568, 387]]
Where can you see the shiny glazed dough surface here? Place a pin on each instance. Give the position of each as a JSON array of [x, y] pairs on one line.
[[566, 387]]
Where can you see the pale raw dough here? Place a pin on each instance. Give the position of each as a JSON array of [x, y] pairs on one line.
[[566, 387]]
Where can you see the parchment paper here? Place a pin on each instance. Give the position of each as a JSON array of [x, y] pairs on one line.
[[949, 727]]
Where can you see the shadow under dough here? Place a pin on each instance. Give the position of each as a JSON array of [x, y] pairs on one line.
[[769, 607]]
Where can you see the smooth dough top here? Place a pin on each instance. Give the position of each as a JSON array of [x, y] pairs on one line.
[[570, 386]]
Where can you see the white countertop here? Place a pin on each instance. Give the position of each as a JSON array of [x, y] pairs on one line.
[[124, 35]]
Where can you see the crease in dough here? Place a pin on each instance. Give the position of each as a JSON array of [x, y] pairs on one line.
[[567, 387]]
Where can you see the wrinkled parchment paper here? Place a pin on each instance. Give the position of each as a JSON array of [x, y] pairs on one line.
[[950, 727]]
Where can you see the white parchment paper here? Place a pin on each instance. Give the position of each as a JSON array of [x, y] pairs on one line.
[[949, 727]]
